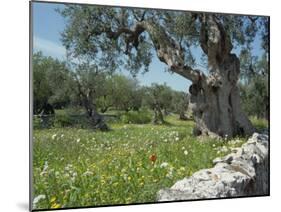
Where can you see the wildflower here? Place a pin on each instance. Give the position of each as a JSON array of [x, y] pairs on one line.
[[55, 205], [225, 137], [177, 138], [44, 168], [185, 152], [170, 173], [37, 199], [53, 199], [87, 173], [62, 135], [54, 136], [224, 149], [78, 140], [182, 168], [164, 164], [153, 158]]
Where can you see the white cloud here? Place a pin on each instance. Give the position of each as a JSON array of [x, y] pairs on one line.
[[49, 48]]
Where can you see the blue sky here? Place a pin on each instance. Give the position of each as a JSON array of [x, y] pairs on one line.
[[48, 24]]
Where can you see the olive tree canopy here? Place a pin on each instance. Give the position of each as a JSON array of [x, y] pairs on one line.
[[115, 38]]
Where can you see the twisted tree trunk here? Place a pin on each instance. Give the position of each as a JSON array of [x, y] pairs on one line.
[[86, 99], [158, 116], [215, 99]]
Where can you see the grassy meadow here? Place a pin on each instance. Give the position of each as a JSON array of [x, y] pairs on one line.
[[74, 167]]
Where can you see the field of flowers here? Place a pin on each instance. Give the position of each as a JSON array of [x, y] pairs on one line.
[[80, 167]]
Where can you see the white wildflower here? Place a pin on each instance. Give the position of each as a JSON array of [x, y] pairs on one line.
[[164, 164], [87, 173], [224, 149], [54, 136], [37, 199], [62, 135], [185, 152], [170, 173], [78, 140], [225, 137], [177, 138]]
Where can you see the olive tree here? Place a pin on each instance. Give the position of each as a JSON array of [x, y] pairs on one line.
[[254, 85], [126, 37], [87, 86], [158, 98], [50, 77], [180, 102]]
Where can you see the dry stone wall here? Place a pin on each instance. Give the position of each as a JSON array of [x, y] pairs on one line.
[[243, 172]]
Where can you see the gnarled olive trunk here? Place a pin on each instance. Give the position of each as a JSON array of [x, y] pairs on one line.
[[86, 99], [96, 119], [216, 103], [215, 99], [157, 116]]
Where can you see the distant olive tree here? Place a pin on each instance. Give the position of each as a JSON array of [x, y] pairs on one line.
[[180, 102], [50, 77], [158, 98], [87, 86], [254, 86]]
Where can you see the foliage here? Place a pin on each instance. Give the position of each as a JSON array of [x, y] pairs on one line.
[[180, 101], [158, 95], [121, 92], [136, 117], [111, 34], [78, 167], [255, 90], [49, 82], [259, 123]]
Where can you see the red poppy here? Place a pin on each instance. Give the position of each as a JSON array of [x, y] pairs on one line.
[[153, 157]]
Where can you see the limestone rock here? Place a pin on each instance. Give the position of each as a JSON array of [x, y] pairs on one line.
[[243, 172]]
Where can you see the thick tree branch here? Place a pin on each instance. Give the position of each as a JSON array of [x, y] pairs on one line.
[[167, 49], [214, 40], [170, 52]]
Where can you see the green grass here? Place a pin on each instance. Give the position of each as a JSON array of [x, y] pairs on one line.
[[80, 167], [259, 124]]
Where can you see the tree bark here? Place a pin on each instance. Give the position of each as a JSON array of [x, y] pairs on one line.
[[158, 116], [215, 99], [86, 98]]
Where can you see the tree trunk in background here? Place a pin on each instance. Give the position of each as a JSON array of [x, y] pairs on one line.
[[183, 116], [157, 116], [86, 99]]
